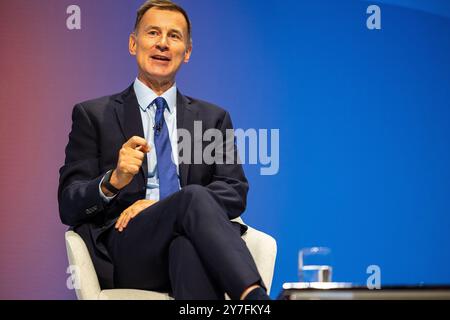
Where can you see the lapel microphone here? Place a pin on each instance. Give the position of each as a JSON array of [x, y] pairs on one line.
[[157, 127]]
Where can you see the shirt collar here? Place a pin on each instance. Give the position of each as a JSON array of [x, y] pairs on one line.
[[145, 96]]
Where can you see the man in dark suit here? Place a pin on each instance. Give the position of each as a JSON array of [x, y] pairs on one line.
[[151, 221]]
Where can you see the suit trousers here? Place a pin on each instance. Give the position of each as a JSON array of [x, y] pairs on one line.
[[186, 245]]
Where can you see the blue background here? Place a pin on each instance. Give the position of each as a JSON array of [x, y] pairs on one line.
[[364, 119]]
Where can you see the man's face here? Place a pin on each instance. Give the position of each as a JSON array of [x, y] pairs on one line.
[[161, 44]]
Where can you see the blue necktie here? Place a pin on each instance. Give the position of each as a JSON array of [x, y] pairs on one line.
[[167, 170]]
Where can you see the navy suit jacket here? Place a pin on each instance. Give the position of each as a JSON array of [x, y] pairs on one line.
[[99, 129]]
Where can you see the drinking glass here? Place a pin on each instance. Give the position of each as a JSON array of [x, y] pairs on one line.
[[314, 264]]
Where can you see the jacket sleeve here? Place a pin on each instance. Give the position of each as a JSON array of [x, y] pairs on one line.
[[78, 194], [229, 183]]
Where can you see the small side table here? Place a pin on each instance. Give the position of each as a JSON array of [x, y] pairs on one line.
[[347, 291]]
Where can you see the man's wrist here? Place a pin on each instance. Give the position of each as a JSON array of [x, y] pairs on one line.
[[114, 181], [110, 184], [106, 192]]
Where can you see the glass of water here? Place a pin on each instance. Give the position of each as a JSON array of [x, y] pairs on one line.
[[314, 264]]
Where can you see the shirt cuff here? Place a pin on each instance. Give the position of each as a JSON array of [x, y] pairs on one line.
[[104, 197]]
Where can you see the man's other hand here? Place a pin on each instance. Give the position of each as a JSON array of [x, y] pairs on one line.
[[131, 212]]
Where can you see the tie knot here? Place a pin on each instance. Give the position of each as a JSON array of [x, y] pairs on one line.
[[160, 103]]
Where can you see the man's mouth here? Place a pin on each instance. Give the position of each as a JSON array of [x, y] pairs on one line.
[[160, 58]]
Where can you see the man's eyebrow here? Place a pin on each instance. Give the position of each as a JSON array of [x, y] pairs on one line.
[[150, 27], [177, 31]]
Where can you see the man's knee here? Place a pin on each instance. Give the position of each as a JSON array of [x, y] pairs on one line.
[[195, 191], [197, 195], [199, 203]]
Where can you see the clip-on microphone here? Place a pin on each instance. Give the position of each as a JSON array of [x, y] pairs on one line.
[[157, 127]]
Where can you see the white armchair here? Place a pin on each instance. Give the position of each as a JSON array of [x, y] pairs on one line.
[[262, 247]]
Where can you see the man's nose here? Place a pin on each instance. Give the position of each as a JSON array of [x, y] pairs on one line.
[[162, 43]]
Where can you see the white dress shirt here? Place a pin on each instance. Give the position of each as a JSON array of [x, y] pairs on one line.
[[145, 97]]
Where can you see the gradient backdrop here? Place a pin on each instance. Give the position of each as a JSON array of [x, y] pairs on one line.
[[364, 119]]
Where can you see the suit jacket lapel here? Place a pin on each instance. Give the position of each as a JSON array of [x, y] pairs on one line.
[[130, 120], [185, 119]]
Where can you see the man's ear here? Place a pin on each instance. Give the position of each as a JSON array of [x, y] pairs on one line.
[[187, 54], [132, 44]]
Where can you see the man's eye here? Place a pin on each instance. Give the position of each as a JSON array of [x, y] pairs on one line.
[[153, 33], [175, 36]]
